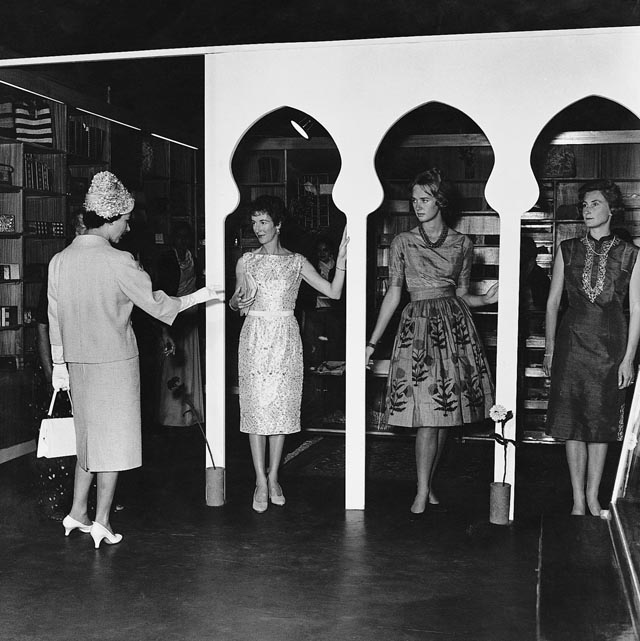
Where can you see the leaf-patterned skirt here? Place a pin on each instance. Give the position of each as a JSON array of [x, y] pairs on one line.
[[439, 376]]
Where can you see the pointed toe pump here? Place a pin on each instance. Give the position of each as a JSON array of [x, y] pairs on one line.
[[100, 533], [276, 495], [70, 524], [258, 505]]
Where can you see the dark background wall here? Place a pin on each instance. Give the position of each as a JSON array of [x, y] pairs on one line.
[[167, 94]]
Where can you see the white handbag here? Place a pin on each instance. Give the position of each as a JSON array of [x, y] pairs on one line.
[[57, 435]]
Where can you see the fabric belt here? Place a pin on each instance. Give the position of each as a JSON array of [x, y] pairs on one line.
[[432, 292], [271, 314]]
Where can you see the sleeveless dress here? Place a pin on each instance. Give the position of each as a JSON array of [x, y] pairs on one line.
[[439, 376], [270, 369], [585, 403]]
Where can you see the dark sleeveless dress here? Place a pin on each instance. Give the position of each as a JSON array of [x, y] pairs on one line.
[[585, 403]]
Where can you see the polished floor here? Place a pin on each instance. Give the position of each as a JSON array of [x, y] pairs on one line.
[[310, 570]]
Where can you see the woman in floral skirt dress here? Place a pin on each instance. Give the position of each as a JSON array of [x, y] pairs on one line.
[[439, 377]]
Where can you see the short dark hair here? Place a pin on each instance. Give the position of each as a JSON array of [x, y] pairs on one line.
[[271, 205], [441, 189], [608, 189], [93, 221]]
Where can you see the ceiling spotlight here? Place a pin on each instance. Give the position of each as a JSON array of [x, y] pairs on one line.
[[302, 124]]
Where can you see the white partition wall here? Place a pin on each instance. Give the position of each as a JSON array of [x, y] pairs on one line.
[[511, 85]]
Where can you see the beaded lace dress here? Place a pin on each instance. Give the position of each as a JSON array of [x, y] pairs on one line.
[[270, 369]]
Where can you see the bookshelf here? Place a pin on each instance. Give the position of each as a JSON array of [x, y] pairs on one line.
[[33, 208], [43, 184]]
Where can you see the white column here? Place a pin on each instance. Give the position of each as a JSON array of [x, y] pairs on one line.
[[220, 199], [355, 434], [507, 350]]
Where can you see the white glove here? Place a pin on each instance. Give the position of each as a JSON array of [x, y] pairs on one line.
[[57, 354], [60, 377], [201, 295]]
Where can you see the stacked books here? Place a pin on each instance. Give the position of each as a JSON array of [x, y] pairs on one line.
[[10, 272], [8, 316], [45, 228], [37, 174]]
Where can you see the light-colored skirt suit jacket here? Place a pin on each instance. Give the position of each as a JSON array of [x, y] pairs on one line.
[[92, 289]]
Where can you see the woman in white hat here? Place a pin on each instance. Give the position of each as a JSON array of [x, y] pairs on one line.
[[92, 290]]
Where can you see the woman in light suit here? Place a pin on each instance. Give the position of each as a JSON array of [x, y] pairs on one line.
[[92, 290]]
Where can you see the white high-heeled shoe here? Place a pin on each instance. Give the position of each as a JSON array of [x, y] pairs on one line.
[[99, 533], [259, 506], [70, 524], [276, 499]]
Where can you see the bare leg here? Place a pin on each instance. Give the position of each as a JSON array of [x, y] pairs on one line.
[[577, 460], [106, 489], [81, 486], [428, 440], [276, 445], [442, 437], [597, 454], [258, 448]]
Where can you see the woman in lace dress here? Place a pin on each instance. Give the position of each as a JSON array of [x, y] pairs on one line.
[[591, 359], [270, 367], [439, 377]]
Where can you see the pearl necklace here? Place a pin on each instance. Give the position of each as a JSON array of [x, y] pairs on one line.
[[437, 243], [593, 292]]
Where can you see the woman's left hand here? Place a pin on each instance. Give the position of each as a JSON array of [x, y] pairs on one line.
[[491, 295], [626, 374], [342, 250]]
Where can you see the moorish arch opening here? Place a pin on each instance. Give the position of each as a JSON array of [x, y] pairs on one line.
[[592, 139], [416, 378], [298, 166]]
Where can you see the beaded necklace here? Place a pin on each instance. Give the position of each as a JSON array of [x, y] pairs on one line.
[[437, 243], [593, 292]]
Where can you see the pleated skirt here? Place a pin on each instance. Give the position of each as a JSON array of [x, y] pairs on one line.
[[106, 412]]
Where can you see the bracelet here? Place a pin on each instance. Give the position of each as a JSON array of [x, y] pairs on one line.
[[342, 269], [372, 345]]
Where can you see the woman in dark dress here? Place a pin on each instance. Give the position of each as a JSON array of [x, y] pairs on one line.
[[439, 377], [178, 275], [591, 359]]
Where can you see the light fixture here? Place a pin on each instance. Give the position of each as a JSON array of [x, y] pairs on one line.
[[117, 122], [177, 142], [302, 124], [35, 93]]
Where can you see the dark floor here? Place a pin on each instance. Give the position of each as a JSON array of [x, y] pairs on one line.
[[311, 570]]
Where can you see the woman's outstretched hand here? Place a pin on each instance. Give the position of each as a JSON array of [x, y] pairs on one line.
[[342, 250], [367, 358], [491, 295], [246, 294], [546, 364]]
